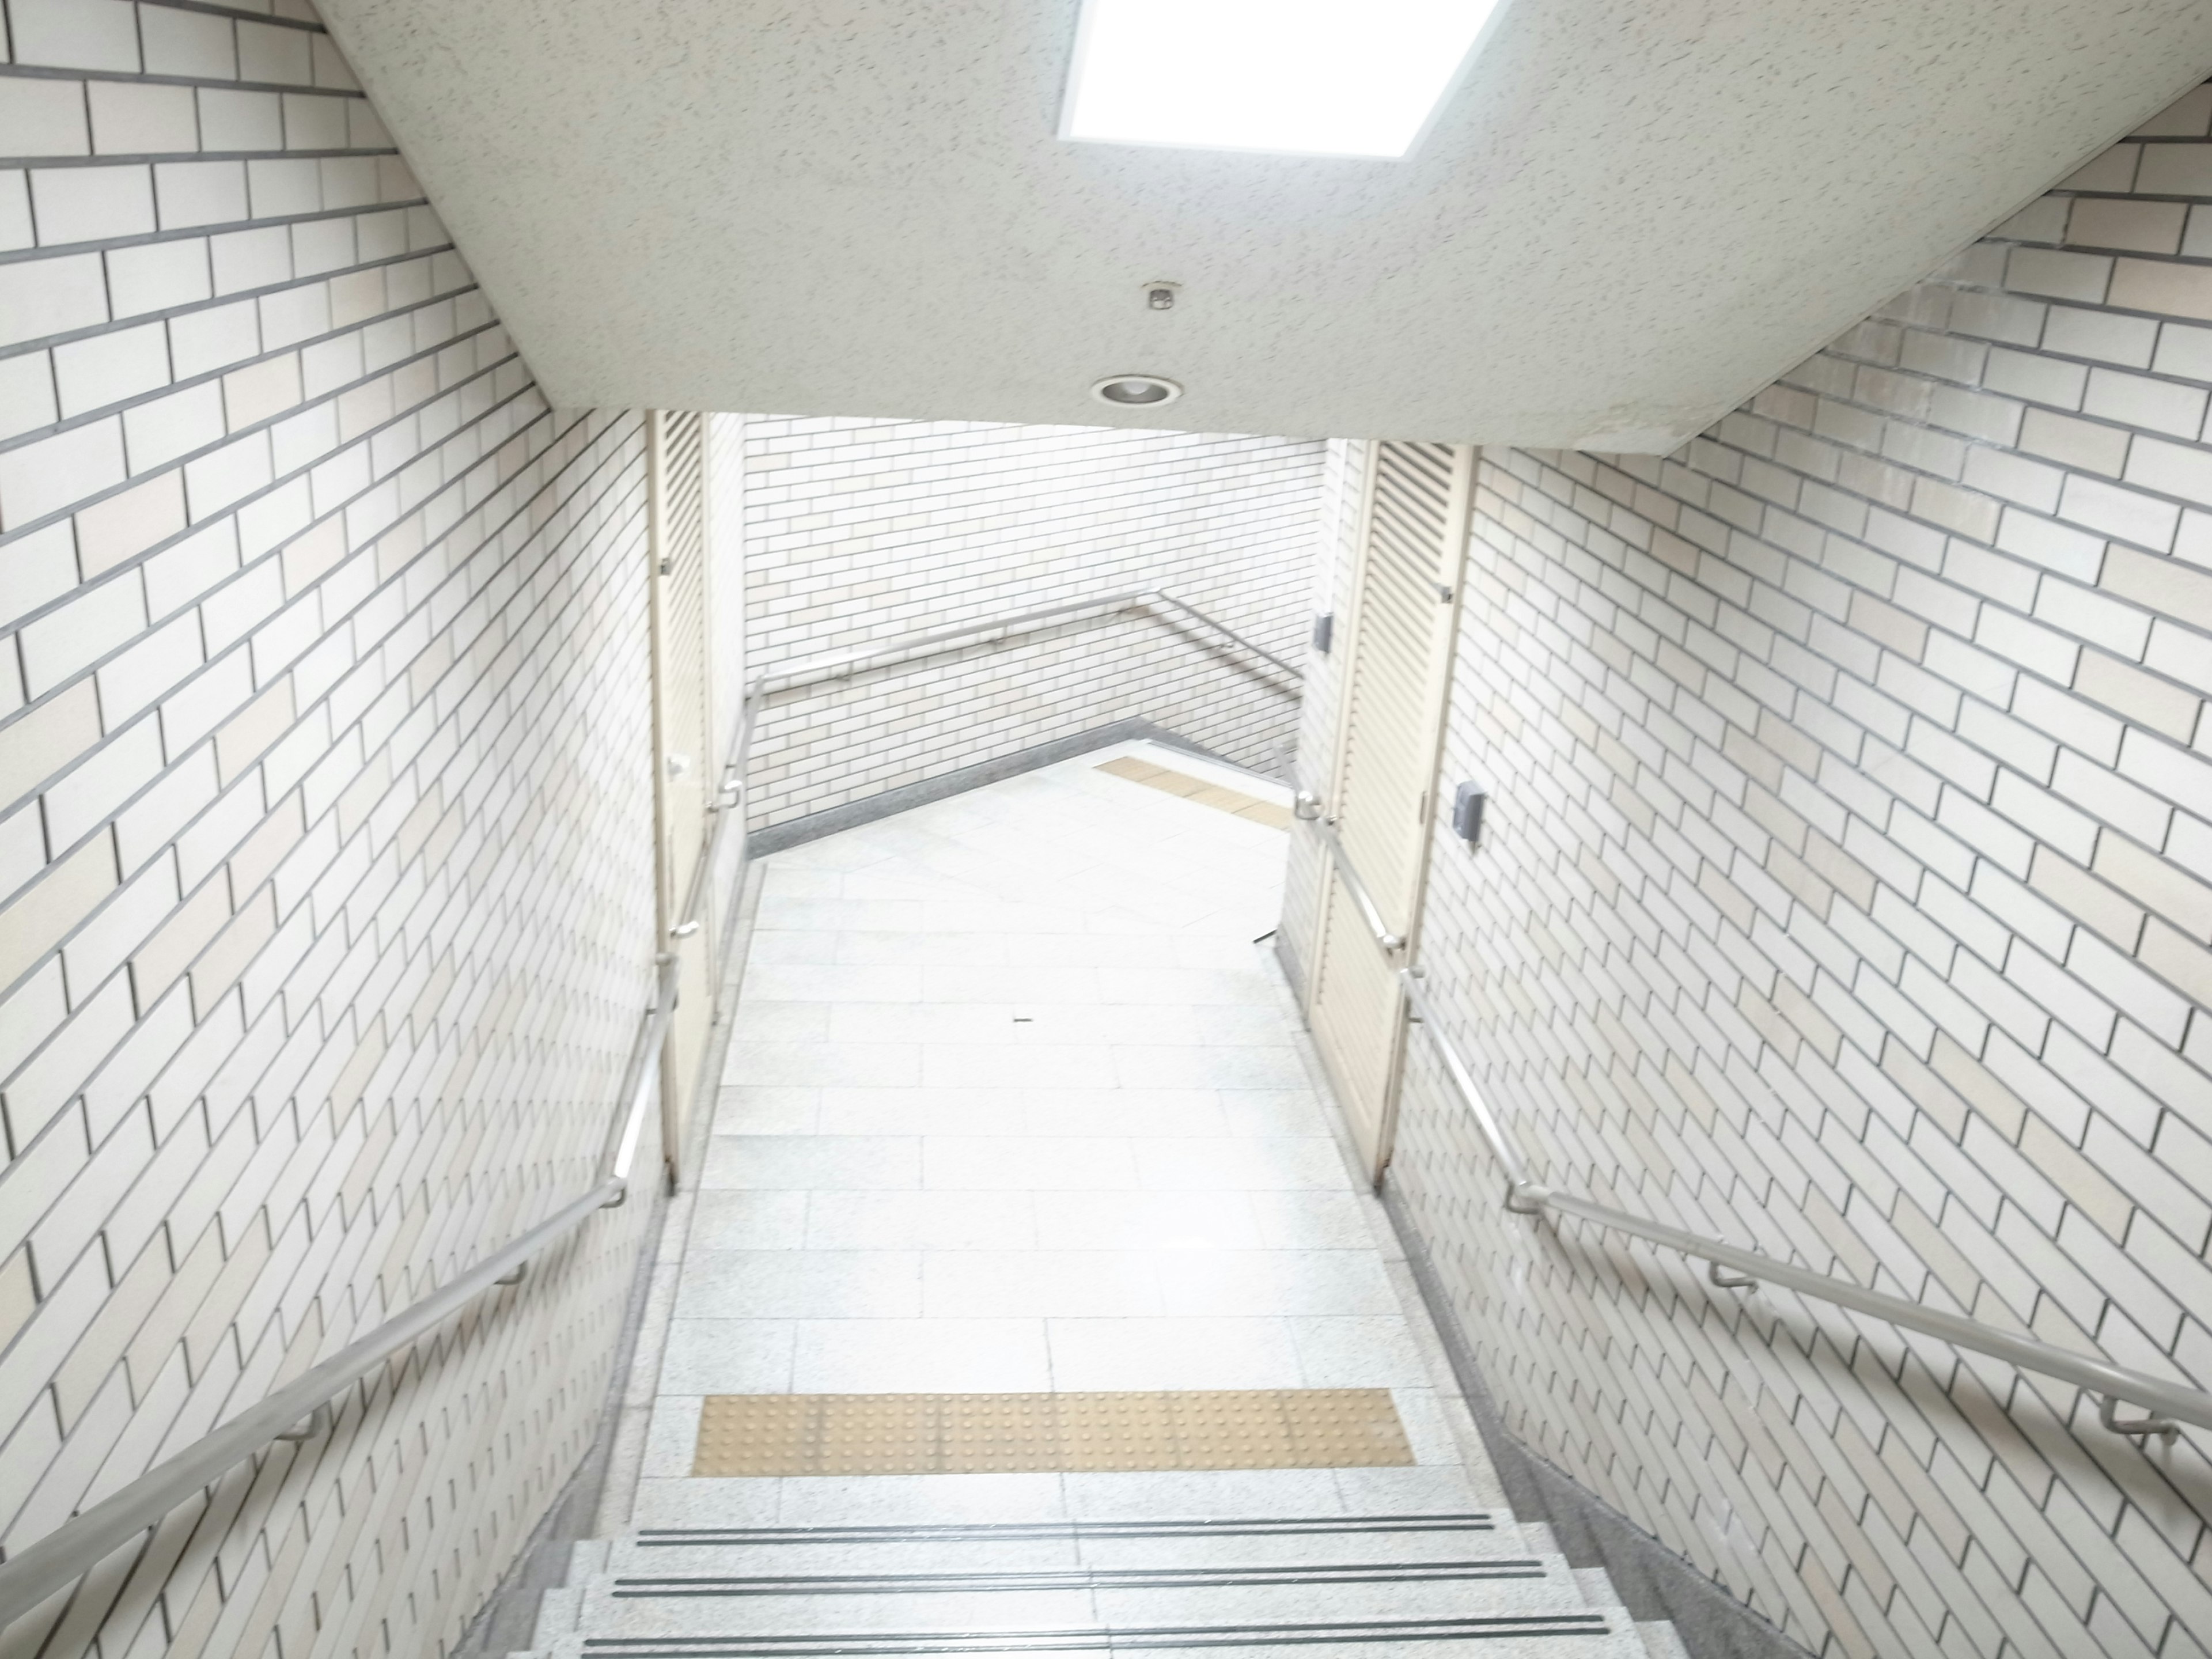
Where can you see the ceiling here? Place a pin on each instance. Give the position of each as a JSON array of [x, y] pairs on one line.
[[1632, 216]]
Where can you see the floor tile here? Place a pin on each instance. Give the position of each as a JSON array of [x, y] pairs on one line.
[[830, 983], [937, 1500], [1222, 1353], [925, 1220], [1201, 1066], [726, 1220], [1278, 1282], [808, 1162], [800, 1284], [1012, 1066], [727, 1356], [1013, 1103], [1260, 1163], [779, 1022], [1072, 1162], [1196, 1221], [1358, 1351], [1203, 1492], [1052, 1284], [965, 1112], [746, 1109], [920, 1356], [877, 1065]]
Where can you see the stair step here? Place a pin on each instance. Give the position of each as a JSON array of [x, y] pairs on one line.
[[951, 1603], [587, 1556], [558, 1611], [1553, 1635], [1034, 1545], [1085, 1577], [1461, 1585]]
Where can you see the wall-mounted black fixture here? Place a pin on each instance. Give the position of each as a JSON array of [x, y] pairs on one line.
[[1324, 631], [1467, 812]]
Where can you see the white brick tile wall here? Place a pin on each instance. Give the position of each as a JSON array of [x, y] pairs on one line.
[[858, 530], [276, 943], [1845, 887]]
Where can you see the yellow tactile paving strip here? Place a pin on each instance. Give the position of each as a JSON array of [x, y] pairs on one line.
[[783, 1434], [1190, 788]]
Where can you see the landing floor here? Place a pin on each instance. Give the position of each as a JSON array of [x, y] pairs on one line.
[[1013, 1102]]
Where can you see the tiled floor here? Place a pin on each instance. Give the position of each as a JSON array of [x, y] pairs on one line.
[[1014, 1101]]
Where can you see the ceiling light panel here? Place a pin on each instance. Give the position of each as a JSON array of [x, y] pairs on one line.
[[1315, 77]]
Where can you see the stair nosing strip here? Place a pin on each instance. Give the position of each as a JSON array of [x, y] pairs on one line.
[[1479, 1627], [1252, 1574]]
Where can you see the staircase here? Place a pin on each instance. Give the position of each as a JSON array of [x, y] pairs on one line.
[[1477, 1584]]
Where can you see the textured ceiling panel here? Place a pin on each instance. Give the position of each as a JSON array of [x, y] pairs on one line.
[[1632, 215]]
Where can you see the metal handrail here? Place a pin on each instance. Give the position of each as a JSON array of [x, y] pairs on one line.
[[1191, 611], [82, 1542], [1390, 944], [2173, 1403], [809, 672]]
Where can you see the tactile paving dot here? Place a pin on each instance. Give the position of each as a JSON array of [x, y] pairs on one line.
[[777, 1434]]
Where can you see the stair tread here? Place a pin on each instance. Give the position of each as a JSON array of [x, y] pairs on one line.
[[958, 1609], [1039, 1546], [1415, 1586], [1082, 1575], [1576, 1634]]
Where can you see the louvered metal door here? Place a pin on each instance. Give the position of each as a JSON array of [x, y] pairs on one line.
[[685, 771], [1381, 793]]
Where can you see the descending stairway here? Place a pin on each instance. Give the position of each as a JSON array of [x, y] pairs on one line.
[[1441, 1585], [944, 1348]]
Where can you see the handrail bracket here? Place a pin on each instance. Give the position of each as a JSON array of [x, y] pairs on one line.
[[1524, 1198], [2108, 1414]]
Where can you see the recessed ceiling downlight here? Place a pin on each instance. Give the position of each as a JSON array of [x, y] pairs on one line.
[[1136, 390]]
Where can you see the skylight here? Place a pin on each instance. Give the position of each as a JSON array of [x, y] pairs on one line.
[[1317, 78]]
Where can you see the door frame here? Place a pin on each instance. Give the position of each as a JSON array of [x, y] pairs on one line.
[[694, 954]]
